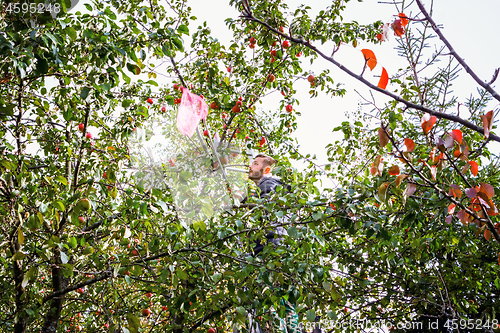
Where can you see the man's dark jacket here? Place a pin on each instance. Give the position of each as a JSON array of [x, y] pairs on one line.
[[266, 186]]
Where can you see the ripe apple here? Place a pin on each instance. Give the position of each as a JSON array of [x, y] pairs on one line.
[[224, 115], [205, 133], [149, 100], [229, 69], [310, 78], [286, 44], [145, 312], [299, 54], [163, 109], [252, 40], [289, 108], [262, 141], [149, 295], [134, 253], [104, 175], [211, 330], [252, 46], [213, 106], [81, 219], [88, 135], [270, 78], [246, 138], [80, 291], [176, 87], [236, 109], [80, 127], [239, 103], [273, 60], [282, 29], [273, 53]]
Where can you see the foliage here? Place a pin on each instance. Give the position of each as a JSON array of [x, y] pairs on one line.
[[410, 235]]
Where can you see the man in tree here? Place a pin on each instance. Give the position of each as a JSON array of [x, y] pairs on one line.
[[260, 173]]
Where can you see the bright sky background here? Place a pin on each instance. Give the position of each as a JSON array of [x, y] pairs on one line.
[[469, 25]]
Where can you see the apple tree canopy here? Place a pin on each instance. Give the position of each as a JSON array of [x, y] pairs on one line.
[[114, 221]]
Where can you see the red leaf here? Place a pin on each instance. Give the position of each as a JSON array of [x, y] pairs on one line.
[[487, 123], [410, 145], [457, 135], [370, 58], [473, 167], [451, 208], [487, 189], [394, 170], [471, 192], [487, 234], [404, 19], [449, 218], [382, 137], [384, 79], [427, 124], [398, 28]]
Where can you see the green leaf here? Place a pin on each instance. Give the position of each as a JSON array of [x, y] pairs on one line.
[[292, 232], [59, 205], [311, 315], [133, 323], [71, 33], [72, 242], [42, 66], [85, 92], [181, 274], [20, 236], [18, 256], [133, 68], [183, 29], [7, 110], [178, 44]]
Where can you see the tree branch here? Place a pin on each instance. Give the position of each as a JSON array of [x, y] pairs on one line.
[[455, 54]]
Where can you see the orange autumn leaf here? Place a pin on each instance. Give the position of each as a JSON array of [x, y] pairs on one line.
[[400, 179], [394, 170], [455, 191], [457, 135], [410, 145], [473, 167], [487, 234], [384, 79], [404, 19], [370, 58], [487, 123], [487, 189], [428, 123], [451, 208], [382, 137], [398, 28]]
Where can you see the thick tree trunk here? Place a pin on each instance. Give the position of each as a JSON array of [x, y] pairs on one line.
[[58, 282]]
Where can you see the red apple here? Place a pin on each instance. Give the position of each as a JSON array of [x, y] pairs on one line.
[[146, 312], [80, 291], [273, 53], [275, 43], [270, 78], [310, 78], [236, 109], [163, 109], [282, 29], [149, 100], [81, 219], [289, 108], [205, 133], [229, 69], [134, 253], [252, 40], [80, 127], [224, 115], [149, 295], [176, 87], [252, 46], [286, 44], [211, 330], [239, 103], [272, 60], [88, 135], [213, 106], [299, 54]]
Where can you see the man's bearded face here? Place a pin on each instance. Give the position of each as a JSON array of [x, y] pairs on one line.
[[256, 170]]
